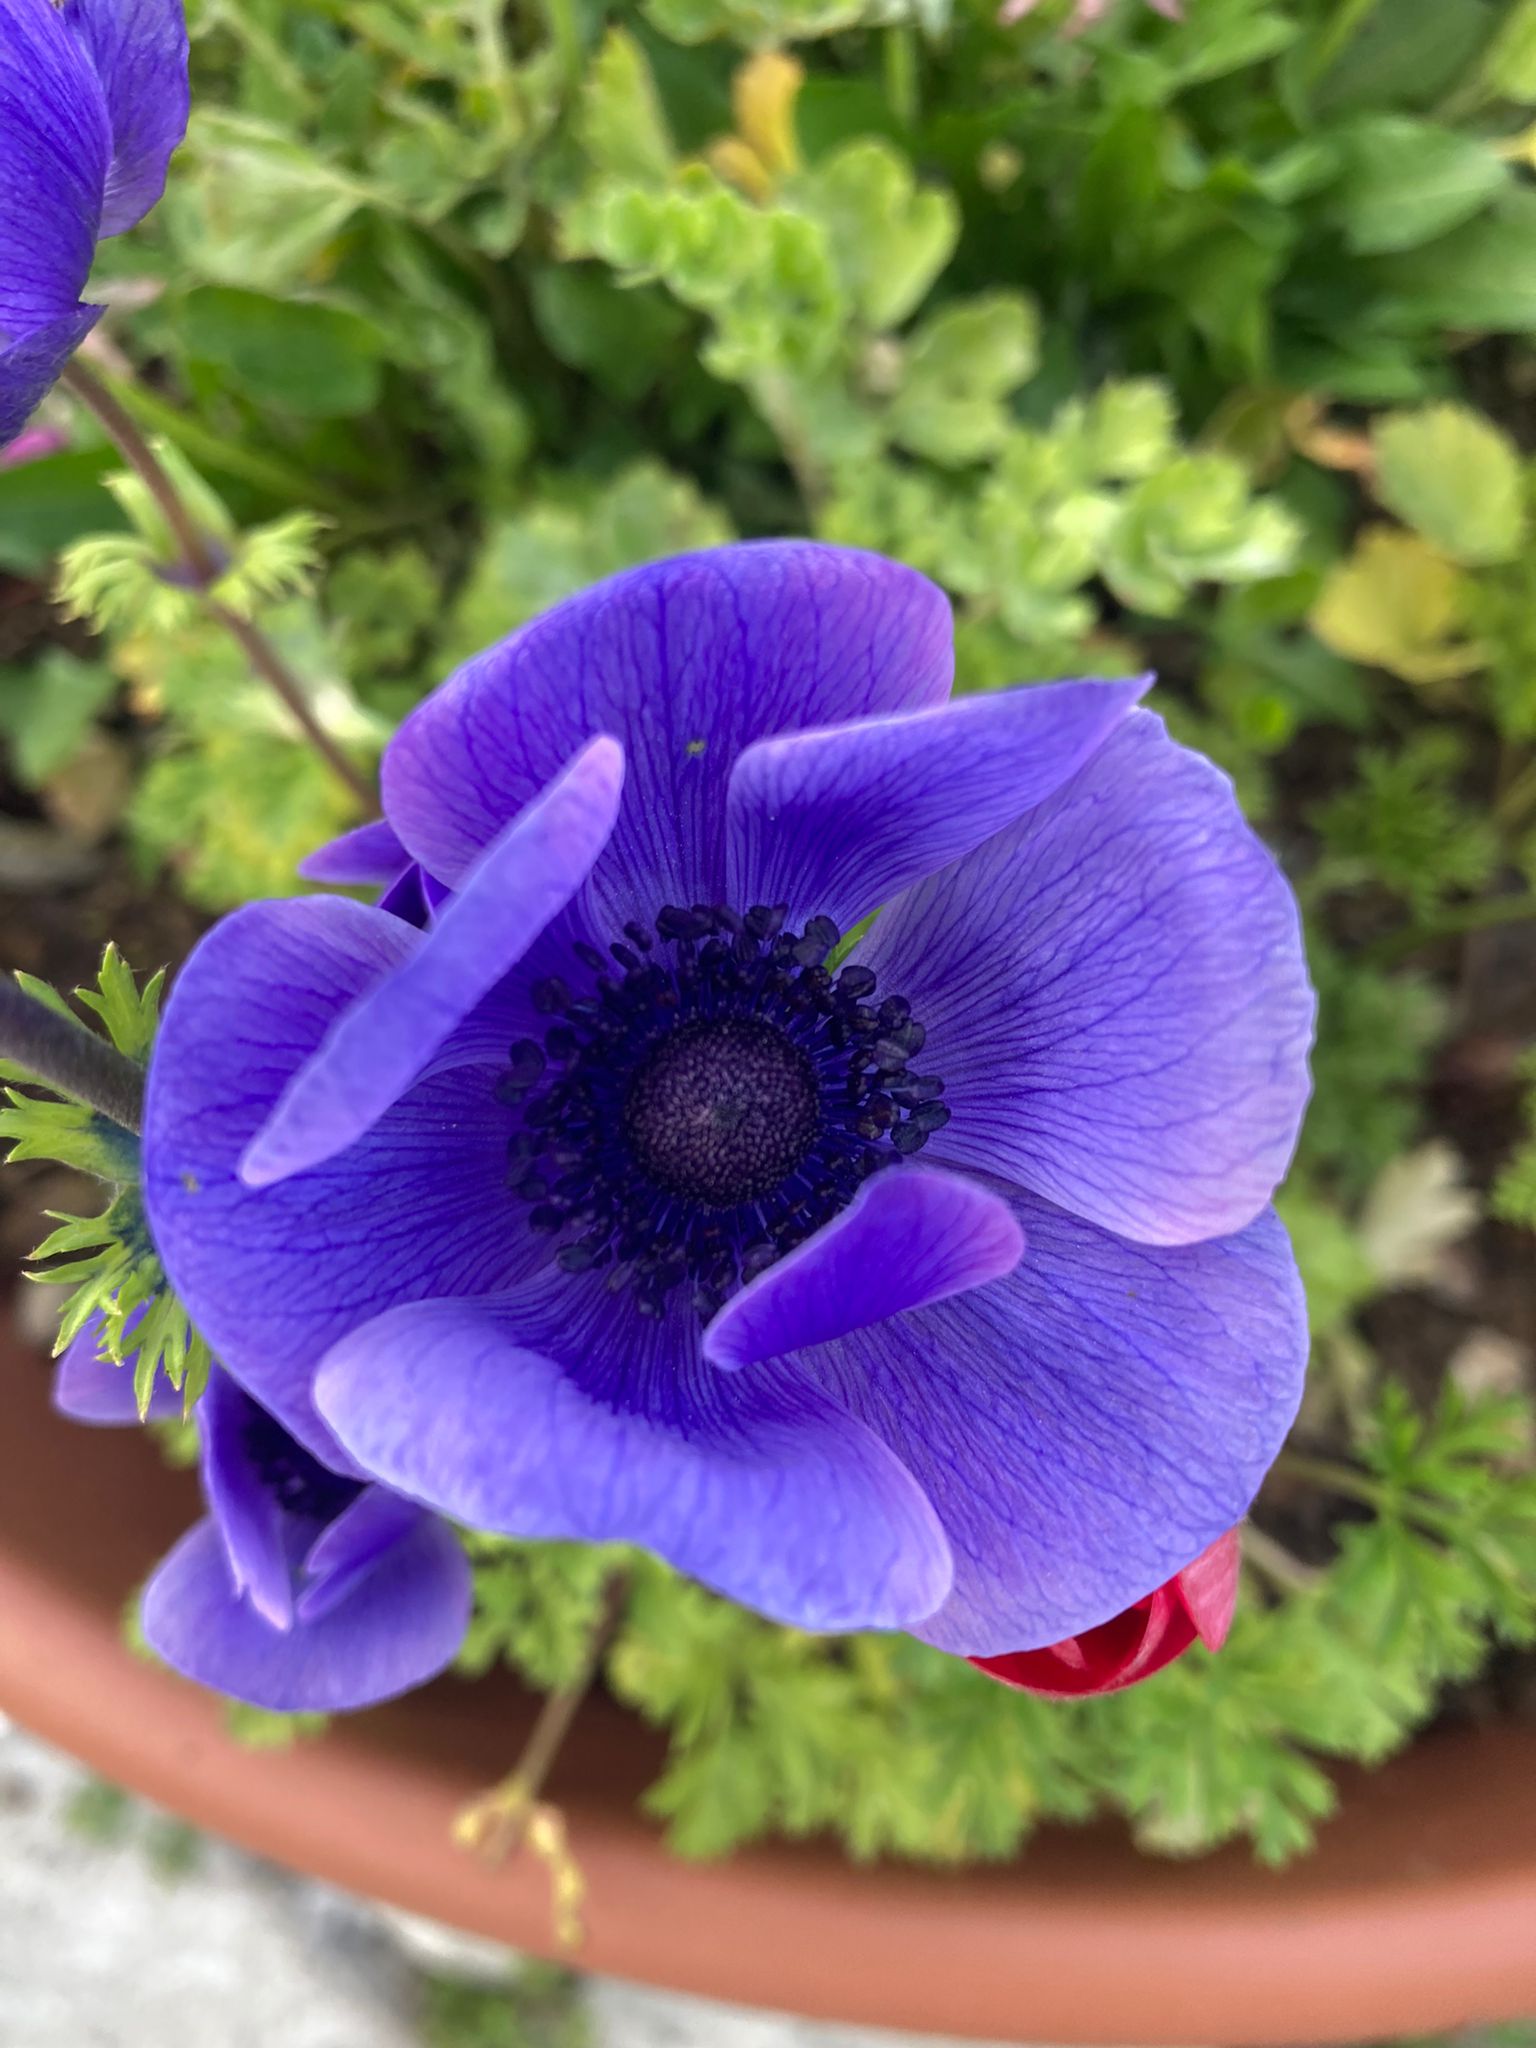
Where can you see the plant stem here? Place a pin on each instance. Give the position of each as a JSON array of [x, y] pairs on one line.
[[67, 1056], [498, 1821], [135, 450], [899, 50], [1468, 917], [1332, 1478], [204, 568], [1274, 1562]]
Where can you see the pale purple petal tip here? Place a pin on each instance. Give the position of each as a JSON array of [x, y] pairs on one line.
[[400, 1625], [839, 821], [909, 1237], [385, 1041], [88, 1387], [368, 855]]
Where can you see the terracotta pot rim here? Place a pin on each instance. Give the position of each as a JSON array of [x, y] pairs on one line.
[[1418, 1910]]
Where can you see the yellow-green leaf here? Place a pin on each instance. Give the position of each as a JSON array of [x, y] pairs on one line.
[[1456, 479], [1397, 604]]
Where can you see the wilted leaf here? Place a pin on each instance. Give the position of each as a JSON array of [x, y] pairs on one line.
[[1397, 603], [1419, 1207]]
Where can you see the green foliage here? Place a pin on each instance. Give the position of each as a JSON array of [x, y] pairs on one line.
[[540, 2008], [1455, 479], [107, 1261], [259, 1728], [901, 1750], [47, 708], [1514, 1195], [1407, 826], [535, 1606], [1137, 343]]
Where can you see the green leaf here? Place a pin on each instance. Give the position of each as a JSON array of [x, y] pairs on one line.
[[890, 236], [46, 504], [620, 122], [1483, 276], [1509, 66], [962, 364], [47, 710], [1456, 479], [318, 361], [1404, 182]]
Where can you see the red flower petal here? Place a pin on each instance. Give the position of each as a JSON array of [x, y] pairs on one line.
[[1197, 1603]]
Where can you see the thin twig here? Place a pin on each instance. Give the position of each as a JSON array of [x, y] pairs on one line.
[[1274, 1562], [1483, 915], [67, 1056], [496, 1822], [203, 567]]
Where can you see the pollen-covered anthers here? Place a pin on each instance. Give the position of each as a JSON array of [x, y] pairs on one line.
[[711, 1098]]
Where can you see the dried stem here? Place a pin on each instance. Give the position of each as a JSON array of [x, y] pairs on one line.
[[204, 569], [67, 1056], [511, 1813]]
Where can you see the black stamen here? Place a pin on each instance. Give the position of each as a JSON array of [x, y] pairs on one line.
[[702, 1112]]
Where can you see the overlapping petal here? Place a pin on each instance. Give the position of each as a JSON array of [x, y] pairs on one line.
[[399, 1625], [1196, 1605], [840, 820], [368, 855], [88, 1387], [560, 1413], [685, 663], [383, 1041], [138, 51], [1115, 993], [1088, 1424], [93, 99], [245, 1510], [419, 1206], [55, 151], [908, 1238]]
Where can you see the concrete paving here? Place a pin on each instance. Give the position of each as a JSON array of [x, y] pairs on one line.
[[136, 1935]]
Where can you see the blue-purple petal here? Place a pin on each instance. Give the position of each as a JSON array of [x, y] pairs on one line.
[[357, 1542], [685, 663], [754, 1482], [55, 147], [838, 821], [138, 50], [398, 1626], [88, 1387], [1087, 1425], [1115, 993], [908, 1238], [30, 366], [244, 1509], [368, 856], [385, 1040], [272, 1277]]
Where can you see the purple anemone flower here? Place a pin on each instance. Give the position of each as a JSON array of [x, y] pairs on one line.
[[927, 1284], [304, 1589], [93, 100]]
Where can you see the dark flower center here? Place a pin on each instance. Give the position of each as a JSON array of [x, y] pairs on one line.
[[715, 1096], [723, 1110], [300, 1484]]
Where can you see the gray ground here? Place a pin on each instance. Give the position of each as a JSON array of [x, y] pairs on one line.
[[119, 1931]]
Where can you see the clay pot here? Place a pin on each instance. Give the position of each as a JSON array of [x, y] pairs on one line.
[[1417, 1911]]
